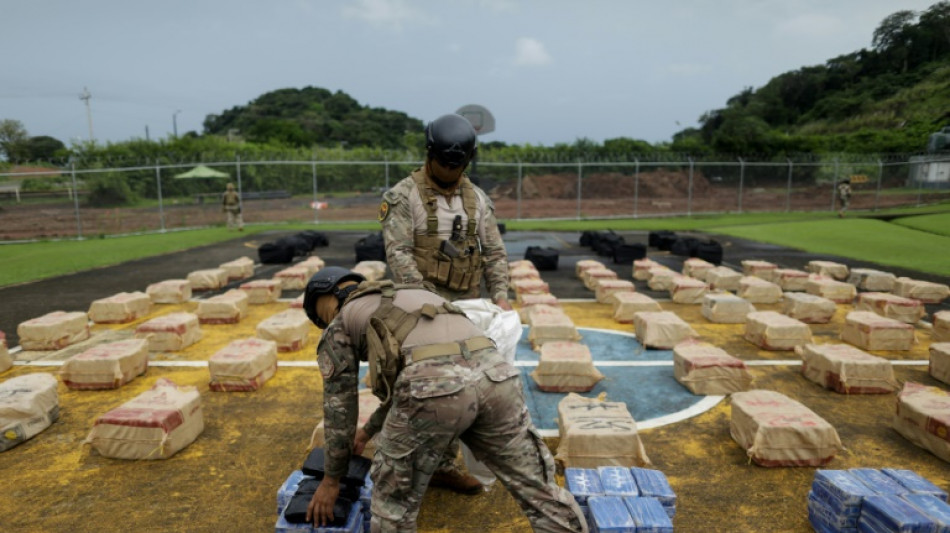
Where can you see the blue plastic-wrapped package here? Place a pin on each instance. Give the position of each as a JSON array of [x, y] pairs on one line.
[[888, 513], [608, 514], [934, 507], [287, 490], [915, 483], [649, 515], [653, 484], [283, 526], [879, 482], [366, 494], [841, 484], [583, 483], [843, 511], [617, 481], [354, 524], [819, 513]]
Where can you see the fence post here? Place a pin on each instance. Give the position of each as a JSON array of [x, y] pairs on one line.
[[386, 166], [316, 205], [161, 204], [636, 185], [689, 194], [880, 177], [580, 171], [76, 202], [518, 192], [788, 192], [741, 180], [834, 186], [920, 185], [237, 161]]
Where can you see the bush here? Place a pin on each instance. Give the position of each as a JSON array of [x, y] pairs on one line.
[[109, 190]]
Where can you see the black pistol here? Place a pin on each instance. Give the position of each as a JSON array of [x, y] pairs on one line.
[[457, 228]]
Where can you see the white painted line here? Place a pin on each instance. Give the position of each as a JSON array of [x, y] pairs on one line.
[[173, 364]]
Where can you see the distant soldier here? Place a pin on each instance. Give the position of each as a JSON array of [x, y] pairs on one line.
[[231, 204], [844, 196]]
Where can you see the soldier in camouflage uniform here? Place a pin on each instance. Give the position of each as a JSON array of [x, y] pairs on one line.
[[231, 204], [453, 384]]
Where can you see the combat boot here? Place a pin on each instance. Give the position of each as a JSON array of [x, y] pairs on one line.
[[457, 481]]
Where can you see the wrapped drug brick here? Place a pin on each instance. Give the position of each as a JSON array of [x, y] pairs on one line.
[[548, 327], [530, 300], [170, 291], [210, 279], [154, 425], [367, 406], [529, 286], [106, 366], [641, 268], [297, 303], [791, 280], [770, 330], [940, 361], [846, 369], [686, 290], [171, 332], [524, 273], [707, 369], [227, 308], [5, 360], [313, 264], [607, 288], [775, 430], [595, 433], [941, 326], [243, 365], [649, 515], [120, 308], [263, 291], [371, 270], [28, 405], [584, 265], [760, 269], [906, 310], [758, 291], [53, 331], [870, 331], [565, 366], [723, 279], [661, 278], [653, 484], [521, 263], [837, 291], [662, 330], [627, 304], [594, 276], [240, 268], [583, 483], [541, 309], [925, 291], [695, 267], [808, 308], [923, 417], [914, 483], [889, 512], [289, 329], [293, 278], [610, 514], [868, 279], [834, 501], [829, 269], [725, 308]]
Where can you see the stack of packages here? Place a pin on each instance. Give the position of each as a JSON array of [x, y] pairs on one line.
[[53, 331], [594, 432], [154, 425], [638, 499], [170, 291], [939, 361], [565, 367], [351, 510], [760, 269], [641, 268], [846, 369], [791, 280], [770, 330], [523, 269], [941, 326], [925, 291], [28, 405], [227, 308], [593, 276], [686, 290], [583, 266], [906, 310], [120, 308], [550, 324], [697, 268], [368, 403], [208, 279], [921, 417], [606, 289], [526, 286], [371, 270], [836, 291], [289, 329], [707, 369], [627, 304], [5, 360], [725, 308], [293, 278], [170, 333], [106, 366], [829, 269], [778, 431], [263, 291], [808, 308], [240, 268], [759, 291], [243, 365], [870, 331], [868, 279], [661, 330], [723, 279], [866, 499]]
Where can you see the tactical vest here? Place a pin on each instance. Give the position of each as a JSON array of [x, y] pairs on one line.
[[458, 265]]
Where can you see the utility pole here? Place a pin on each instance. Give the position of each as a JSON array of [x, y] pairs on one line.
[[85, 96], [175, 123]]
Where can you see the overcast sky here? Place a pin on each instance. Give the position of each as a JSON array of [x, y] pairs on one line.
[[550, 71]]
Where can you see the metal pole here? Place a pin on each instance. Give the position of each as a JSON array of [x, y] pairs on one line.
[[237, 158], [636, 186], [313, 165], [76, 203], [580, 171], [741, 181], [689, 194], [920, 184], [880, 177], [158, 186], [520, 171], [386, 164], [834, 187], [788, 192]]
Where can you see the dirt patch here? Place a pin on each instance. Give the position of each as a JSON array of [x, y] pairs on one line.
[[658, 184]]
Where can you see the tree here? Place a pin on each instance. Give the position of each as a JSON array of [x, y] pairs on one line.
[[42, 147], [893, 36], [13, 137]]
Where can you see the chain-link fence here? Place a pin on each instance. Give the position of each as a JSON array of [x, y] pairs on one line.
[[84, 202]]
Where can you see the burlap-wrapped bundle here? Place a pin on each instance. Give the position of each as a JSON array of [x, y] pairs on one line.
[[551, 326], [596, 433], [723, 279], [808, 308], [584, 265], [836, 291], [725, 308], [627, 304], [829, 269], [661, 278], [791, 280], [868, 279], [686, 290], [243, 365], [289, 329], [758, 291], [227, 308], [662, 330], [53, 331], [28, 405], [297, 303], [529, 286], [565, 366], [608, 288], [170, 291], [770, 330], [154, 425], [240, 268], [209, 279], [940, 361], [106, 366], [778, 431], [760, 269], [591, 277], [941, 326], [706, 369], [120, 308], [313, 264], [695, 267], [906, 310], [5, 360], [925, 291], [846, 369], [371, 270], [171, 332], [921, 417], [293, 278], [367, 406], [523, 273], [641, 268], [529, 301], [870, 331], [262, 291], [520, 263]]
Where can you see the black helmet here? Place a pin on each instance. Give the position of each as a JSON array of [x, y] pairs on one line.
[[325, 282], [450, 140]]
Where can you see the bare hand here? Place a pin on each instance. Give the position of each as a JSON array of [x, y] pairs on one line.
[[320, 510], [503, 303], [359, 442]]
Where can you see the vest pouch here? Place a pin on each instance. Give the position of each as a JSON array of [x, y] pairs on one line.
[[443, 269], [424, 387], [502, 371], [457, 277]]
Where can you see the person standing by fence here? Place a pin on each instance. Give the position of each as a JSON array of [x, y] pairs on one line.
[[844, 196], [231, 204]]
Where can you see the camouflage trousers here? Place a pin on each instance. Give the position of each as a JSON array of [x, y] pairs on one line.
[[478, 398], [234, 219]]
